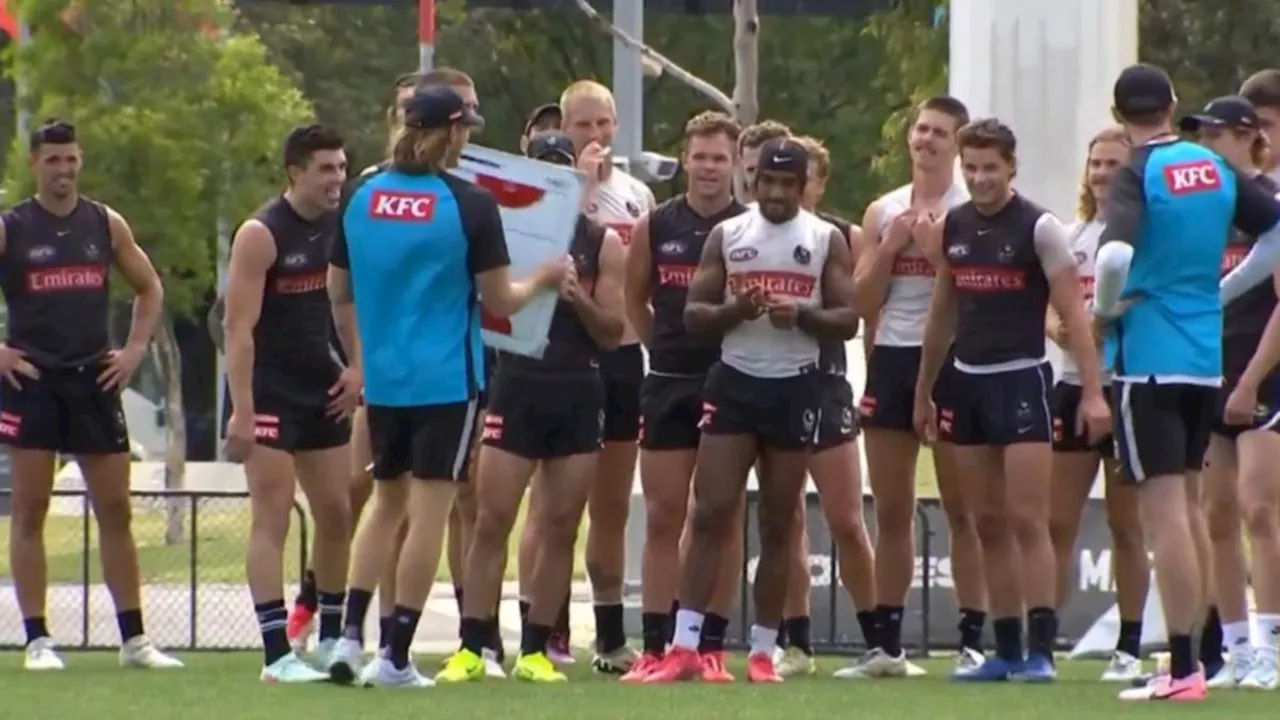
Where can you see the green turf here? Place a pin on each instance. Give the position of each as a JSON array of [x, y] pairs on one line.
[[225, 686]]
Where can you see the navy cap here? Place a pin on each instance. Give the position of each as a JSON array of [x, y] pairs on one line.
[[1142, 89], [1230, 111], [784, 155], [541, 112], [438, 106], [553, 147]]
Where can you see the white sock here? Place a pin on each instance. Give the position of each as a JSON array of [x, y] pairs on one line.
[[1268, 630], [688, 629], [1236, 635], [763, 640]]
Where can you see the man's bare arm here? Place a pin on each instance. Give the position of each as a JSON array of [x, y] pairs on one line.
[[639, 288], [837, 319], [1267, 355], [601, 312], [137, 270], [875, 265], [342, 298], [1053, 248], [705, 310], [253, 251], [939, 330]]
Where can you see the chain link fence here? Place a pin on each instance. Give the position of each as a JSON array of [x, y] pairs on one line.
[[191, 550]]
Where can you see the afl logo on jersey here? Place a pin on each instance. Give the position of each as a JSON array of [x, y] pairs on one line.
[[41, 253], [743, 254], [295, 260], [802, 255], [674, 247], [956, 252]]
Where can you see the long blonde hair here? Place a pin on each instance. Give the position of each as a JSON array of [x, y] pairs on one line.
[[1087, 204], [419, 151]]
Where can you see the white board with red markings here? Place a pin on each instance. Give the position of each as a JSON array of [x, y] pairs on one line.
[[539, 203]]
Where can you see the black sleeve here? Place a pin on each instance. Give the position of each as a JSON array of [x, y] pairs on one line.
[[338, 256], [1126, 205], [1257, 210], [482, 224]]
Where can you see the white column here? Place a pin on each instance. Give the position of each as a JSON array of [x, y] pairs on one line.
[[1045, 68]]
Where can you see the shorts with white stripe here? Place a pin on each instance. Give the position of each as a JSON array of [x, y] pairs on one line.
[[428, 442], [1162, 428], [999, 408], [1266, 409]]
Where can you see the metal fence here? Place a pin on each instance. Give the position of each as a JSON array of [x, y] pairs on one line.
[[191, 549]]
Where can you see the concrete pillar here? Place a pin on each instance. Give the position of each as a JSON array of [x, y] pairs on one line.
[[1045, 68], [628, 80]]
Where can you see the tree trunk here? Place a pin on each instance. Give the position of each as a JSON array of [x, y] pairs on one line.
[[175, 456], [746, 71]]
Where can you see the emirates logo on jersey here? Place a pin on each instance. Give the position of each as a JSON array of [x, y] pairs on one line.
[[1086, 287], [495, 324], [990, 279], [1233, 256], [783, 284], [912, 267], [76, 277], [623, 230], [405, 206], [298, 284], [680, 276]]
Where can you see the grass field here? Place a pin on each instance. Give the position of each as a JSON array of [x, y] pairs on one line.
[[220, 686], [221, 529]]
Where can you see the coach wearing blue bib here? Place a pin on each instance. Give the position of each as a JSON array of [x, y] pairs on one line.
[[416, 254], [1169, 216]]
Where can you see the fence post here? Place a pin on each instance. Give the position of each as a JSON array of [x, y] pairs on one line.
[[195, 572], [926, 577], [85, 549]]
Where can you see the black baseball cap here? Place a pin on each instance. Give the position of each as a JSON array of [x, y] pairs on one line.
[[784, 155], [439, 106], [540, 112], [1231, 111], [553, 147], [1142, 89]]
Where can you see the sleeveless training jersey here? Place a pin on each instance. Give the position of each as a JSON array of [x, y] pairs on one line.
[[1084, 248], [906, 304], [834, 360], [785, 260], [55, 273], [293, 340], [618, 203], [677, 235], [570, 347]]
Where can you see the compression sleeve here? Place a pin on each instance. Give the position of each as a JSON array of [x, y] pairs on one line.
[[1256, 267], [1112, 270], [1053, 246]]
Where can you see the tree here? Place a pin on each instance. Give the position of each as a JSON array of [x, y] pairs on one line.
[[181, 125]]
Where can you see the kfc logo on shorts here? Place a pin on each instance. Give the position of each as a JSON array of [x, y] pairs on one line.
[[743, 254], [403, 206], [492, 427], [10, 424], [708, 414], [1233, 256], [266, 427], [1192, 177]]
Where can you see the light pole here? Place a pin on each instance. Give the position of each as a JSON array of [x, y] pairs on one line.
[[426, 34]]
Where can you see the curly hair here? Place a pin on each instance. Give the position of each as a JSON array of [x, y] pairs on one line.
[[1086, 203]]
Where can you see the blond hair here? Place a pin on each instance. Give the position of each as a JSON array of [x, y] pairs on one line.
[[819, 156], [754, 136], [589, 89], [1087, 204], [419, 151]]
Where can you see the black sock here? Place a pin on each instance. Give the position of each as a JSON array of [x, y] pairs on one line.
[[1182, 661], [404, 625], [494, 643], [130, 624], [890, 629], [562, 620], [272, 620], [475, 633], [308, 597], [713, 629], [357, 609], [1042, 631], [1211, 638], [457, 595], [524, 613], [798, 634], [782, 640], [1008, 632], [971, 623], [870, 624], [330, 607], [533, 639], [384, 632], [35, 628], [609, 633], [653, 627], [1130, 640], [671, 622]]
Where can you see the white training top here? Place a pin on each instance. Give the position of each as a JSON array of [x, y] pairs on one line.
[[618, 203], [786, 260], [906, 304], [1084, 238]]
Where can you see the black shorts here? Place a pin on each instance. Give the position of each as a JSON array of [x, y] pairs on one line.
[[287, 424], [837, 421], [1064, 402], [889, 399], [1162, 429], [65, 411], [1266, 414], [542, 416], [781, 413], [429, 442], [1001, 408], [670, 409], [623, 372]]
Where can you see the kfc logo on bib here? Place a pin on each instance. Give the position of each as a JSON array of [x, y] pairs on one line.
[[411, 206], [1192, 177]]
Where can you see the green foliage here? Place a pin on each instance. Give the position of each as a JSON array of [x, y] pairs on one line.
[[177, 126]]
